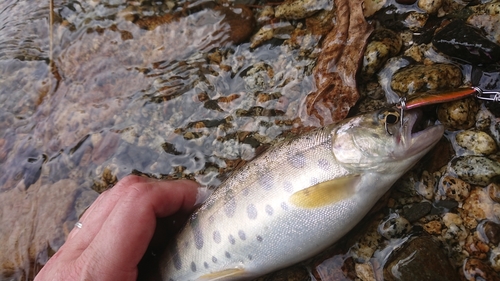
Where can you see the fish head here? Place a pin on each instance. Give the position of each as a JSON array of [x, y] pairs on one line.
[[381, 142]]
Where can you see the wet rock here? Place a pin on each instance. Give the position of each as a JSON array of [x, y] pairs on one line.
[[420, 259], [476, 270], [486, 18], [433, 227], [454, 188], [394, 226], [430, 6], [299, 9], [426, 185], [476, 248], [479, 206], [494, 191], [417, 211], [452, 219], [421, 78], [365, 271], [280, 30], [467, 43], [372, 6], [489, 232], [478, 142], [475, 169], [483, 121], [384, 44], [458, 115]]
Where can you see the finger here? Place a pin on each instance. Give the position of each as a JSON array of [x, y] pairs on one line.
[[125, 234], [97, 214]]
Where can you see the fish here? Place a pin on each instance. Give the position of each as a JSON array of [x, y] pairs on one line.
[[297, 198]]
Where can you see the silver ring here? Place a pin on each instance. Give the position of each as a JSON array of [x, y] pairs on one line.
[[79, 225]]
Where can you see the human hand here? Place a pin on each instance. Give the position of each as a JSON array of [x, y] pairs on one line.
[[117, 228]]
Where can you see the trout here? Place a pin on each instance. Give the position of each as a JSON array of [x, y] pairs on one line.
[[297, 198]]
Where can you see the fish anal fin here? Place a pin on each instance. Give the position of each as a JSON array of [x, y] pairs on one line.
[[325, 193], [223, 274]]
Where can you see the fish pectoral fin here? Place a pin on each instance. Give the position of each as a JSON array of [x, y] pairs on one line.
[[223, 274], [325, 193]]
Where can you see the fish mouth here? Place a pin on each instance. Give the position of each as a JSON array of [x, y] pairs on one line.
[[417, 136]]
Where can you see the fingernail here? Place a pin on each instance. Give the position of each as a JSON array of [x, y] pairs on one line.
[[202, 195]]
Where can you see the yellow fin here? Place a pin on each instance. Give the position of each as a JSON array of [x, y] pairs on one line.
[[223, 274], [325, 193]]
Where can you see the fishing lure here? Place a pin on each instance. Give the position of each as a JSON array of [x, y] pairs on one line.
[[442, 97]]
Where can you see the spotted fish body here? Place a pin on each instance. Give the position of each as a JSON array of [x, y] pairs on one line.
[[296, 199]]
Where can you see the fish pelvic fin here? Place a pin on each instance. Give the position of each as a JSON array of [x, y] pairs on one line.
[[223, 274], [325, 193]]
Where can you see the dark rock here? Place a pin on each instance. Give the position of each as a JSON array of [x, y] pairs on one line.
[[466, 43], [417, 211], [420, 259]]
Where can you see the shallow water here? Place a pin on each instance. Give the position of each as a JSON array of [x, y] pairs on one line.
[[120, 98]]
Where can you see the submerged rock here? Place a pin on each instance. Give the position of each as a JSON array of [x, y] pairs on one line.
[[420, 259], [466, 43]]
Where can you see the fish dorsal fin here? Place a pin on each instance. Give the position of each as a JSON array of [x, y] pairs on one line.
[[325, 193], [223, 274]]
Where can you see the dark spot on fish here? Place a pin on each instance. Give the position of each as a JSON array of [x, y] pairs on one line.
[[231, 239], [297, 160], [245, 192], [198, 236], [214, 259], [269, 210], [230, 207], [193, 267], [176, 258], [284, 206], [217, 237], [259, 238], [324, 165], [250, 257], [205, 264], [211, 219], [251, 212], [228, 255], [266, 181], [314, 181], [242, 235], [288, 186]]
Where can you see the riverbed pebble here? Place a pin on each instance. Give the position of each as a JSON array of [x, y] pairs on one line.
[[478, 142], [474, 169], [494, 191], [421, 78], [454, 188], [458, 115], [479, 206], [394, 226], [477, 270], [384, 44]]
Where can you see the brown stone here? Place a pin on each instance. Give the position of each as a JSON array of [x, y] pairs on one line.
[[424, 260]]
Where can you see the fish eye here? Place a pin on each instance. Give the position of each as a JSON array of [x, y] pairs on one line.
[[391, 118]]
